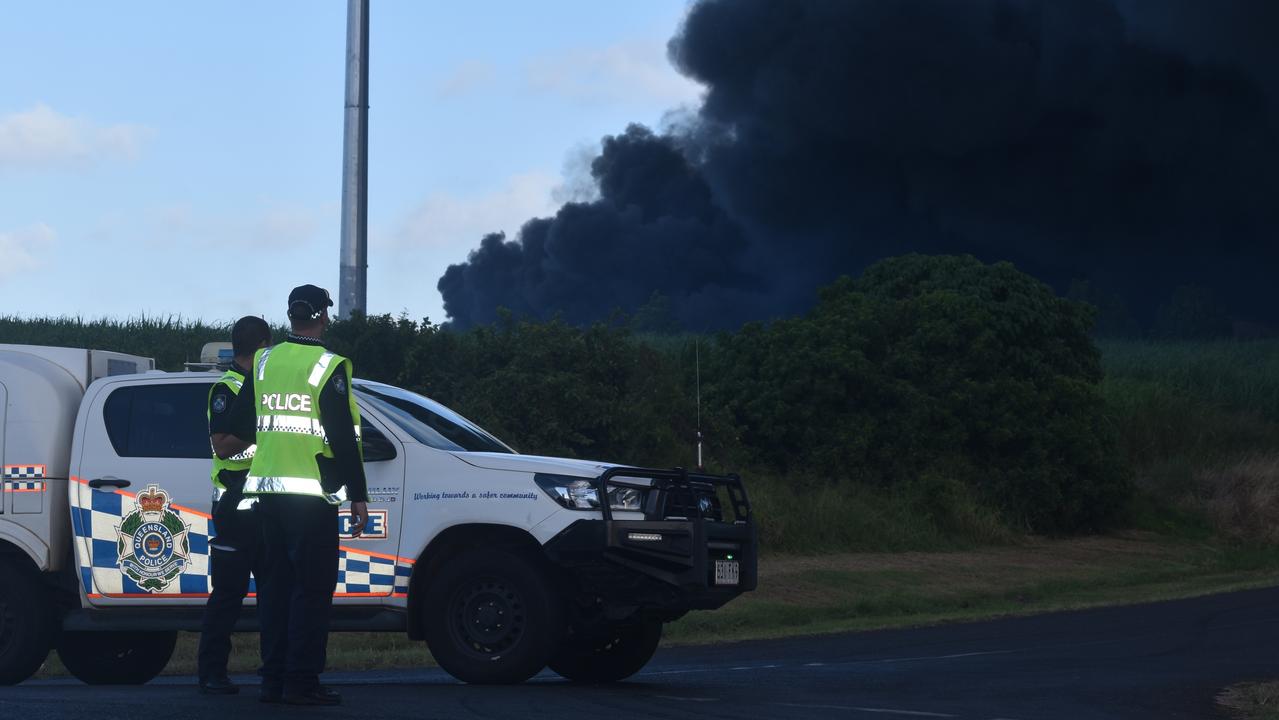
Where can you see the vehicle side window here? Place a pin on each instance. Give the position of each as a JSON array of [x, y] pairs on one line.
[[376, 446], [162, 421]]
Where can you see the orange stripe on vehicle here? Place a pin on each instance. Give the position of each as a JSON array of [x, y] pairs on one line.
[[117, 491], [128, 494], [361, 595], [370, 553]]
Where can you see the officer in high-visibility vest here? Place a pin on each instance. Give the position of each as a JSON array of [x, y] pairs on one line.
[[234, 548], [297, 405]]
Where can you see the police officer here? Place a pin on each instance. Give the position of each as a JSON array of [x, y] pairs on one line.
[[297, 406], [234, 550]]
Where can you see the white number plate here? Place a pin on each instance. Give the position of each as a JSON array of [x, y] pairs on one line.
[[727, 572]]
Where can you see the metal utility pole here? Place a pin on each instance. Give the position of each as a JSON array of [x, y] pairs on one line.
[[353, 279]]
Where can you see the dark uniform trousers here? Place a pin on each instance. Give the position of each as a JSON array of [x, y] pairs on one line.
[[229, 572], [295, 589]]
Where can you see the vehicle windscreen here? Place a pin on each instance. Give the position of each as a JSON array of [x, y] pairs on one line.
[[429, 422]]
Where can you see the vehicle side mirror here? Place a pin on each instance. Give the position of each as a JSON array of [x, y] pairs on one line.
[[377, 447]]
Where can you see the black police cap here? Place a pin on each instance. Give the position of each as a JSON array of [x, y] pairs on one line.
[[308, 302]]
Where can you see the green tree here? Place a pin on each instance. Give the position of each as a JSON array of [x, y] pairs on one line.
[[545, 387], [935, 366]]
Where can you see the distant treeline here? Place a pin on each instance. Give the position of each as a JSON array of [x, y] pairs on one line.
[[938, 372], [171, 341], [932, 397], [1193, 312]]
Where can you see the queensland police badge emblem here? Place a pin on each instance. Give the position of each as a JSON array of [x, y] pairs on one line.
[[152, 544]]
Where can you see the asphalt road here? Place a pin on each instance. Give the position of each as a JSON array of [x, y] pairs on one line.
[[1165, 660]]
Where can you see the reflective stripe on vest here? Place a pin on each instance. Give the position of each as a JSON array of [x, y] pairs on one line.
[[291, 486], [295, 424], [245, 456], [291, 424], [317, 372], [262, 362]]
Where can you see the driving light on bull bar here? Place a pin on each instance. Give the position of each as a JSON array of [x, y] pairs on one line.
[[643, 537], [577, 493]]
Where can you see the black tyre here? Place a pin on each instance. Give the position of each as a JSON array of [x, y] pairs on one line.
[[492, 617], [116, 658], [26, 627], [614, 655]]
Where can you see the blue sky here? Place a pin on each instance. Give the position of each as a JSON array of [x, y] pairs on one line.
[[185, 159]]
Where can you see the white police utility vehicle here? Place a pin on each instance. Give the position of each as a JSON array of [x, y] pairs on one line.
[[503, 563]]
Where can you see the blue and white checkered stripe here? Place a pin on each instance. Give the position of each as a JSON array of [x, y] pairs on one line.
[[24, 478], [24, 485], [358, 573]]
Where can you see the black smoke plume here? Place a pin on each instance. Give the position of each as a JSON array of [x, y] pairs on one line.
[[1127, 143]]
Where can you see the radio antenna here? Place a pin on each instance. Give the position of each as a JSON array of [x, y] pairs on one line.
[[697, 359]]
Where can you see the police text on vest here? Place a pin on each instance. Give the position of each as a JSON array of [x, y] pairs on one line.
[[295, 402]]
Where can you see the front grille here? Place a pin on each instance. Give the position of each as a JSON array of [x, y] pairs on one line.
[[694, 500]]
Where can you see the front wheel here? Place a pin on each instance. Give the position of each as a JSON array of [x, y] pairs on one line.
[[492, 617], [25, 623], [616, 654], [116, 658]]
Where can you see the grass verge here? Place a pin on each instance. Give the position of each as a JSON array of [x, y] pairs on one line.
[[803, 595], [1251, 701], [835, 593]]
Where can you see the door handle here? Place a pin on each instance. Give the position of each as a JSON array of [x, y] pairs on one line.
[[115, 482]]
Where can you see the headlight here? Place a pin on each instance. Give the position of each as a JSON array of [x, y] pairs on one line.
[[577, 493], [572, 494], [624, 498]]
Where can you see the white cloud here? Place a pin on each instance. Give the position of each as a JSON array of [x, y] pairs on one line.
[[625, 72], [42, 137], [468, 76], [22, 249], [448, 222]]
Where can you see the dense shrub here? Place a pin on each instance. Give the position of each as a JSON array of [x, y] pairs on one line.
[[547, 388], [935, 366]]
